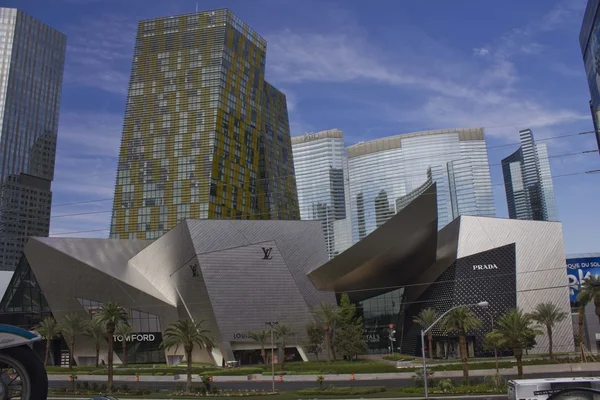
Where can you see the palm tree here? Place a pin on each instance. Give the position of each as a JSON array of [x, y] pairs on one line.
[[461, 320], [515, 332], [327, 314], [111, 315], [48, 330], [123, 329], [493, 342], [425, 319], [71, 326], [261, 337], [188, 334], [96, 330], [283, 332], [590, 291], [548, 314]]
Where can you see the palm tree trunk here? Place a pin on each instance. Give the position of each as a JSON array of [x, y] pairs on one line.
[[263, 353], [331, 340], [72, 358], [188, 386], [549, 332], [124, 355], [328, 344], [463, 356], [282, 355], [97, 353], [518, 353], [580, 314], [47, 352], [110, 361], [430, 339]]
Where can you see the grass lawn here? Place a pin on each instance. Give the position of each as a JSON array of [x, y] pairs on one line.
[[337, 392], [302, 368]]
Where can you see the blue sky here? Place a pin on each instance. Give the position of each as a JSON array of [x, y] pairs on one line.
[[372, 69]]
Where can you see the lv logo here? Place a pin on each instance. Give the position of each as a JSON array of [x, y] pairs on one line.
[[267, 253], [194, 269]]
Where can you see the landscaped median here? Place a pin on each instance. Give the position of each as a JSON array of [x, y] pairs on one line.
[[320, 391]]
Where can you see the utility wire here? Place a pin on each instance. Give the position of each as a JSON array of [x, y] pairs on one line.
[[207, 153], [262, 179], [18, 211], [273, 213]]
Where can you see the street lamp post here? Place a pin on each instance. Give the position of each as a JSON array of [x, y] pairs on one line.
[[272, 325], [482, 304]]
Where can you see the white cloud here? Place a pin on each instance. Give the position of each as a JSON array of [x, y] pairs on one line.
[[98, 52], [97, 134], [481, 52], [88, 146], [445, 90]]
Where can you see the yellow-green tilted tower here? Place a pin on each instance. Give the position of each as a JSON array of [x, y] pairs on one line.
[[204, 135]]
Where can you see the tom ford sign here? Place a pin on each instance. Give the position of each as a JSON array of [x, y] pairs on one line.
[[480, 267], [136, 337]]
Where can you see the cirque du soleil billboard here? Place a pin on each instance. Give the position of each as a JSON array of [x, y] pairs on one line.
[[579, 269]]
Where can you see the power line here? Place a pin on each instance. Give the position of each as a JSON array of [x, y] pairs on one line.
[[266, 212], [34, 218], [406, 176], [208, 153]]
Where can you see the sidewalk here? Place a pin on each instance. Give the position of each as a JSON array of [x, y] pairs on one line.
[[534, 369]]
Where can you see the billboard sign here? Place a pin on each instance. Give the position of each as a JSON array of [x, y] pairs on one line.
[[579, 269]]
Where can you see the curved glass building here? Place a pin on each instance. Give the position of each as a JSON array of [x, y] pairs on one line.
[[381, 172], [319, 166]]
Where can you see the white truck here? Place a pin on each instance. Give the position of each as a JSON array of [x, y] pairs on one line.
[[542, 389]]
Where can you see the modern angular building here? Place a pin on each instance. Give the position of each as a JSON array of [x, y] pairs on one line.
[[589, 41], [406, 265], [238, 275], [32, 56], [319, 165], [234, 275], [383, 171], [528, 181], [204, 136]]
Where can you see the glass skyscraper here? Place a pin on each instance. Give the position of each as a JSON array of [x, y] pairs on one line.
[[205, 136], [528, 181], [589, 41], [319, 165], [383, 171], [32, 59]]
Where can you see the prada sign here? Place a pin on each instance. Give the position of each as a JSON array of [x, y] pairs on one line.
[[480, 267]]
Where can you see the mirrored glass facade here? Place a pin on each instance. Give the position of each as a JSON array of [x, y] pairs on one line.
[[319, 165], [383, 171], [528, 181], [589, 40], [31, 71], [205, 136]]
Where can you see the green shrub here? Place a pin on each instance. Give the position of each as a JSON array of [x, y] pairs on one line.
[[236, 371], [341, 390], [339, 367], [398, 357]]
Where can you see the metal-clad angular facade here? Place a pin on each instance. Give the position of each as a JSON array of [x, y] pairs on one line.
[[233, 275]]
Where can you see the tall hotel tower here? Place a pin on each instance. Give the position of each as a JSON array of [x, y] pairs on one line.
[[386, 174], [528, 181], [205, 136], [32, 59], [319, 162]]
